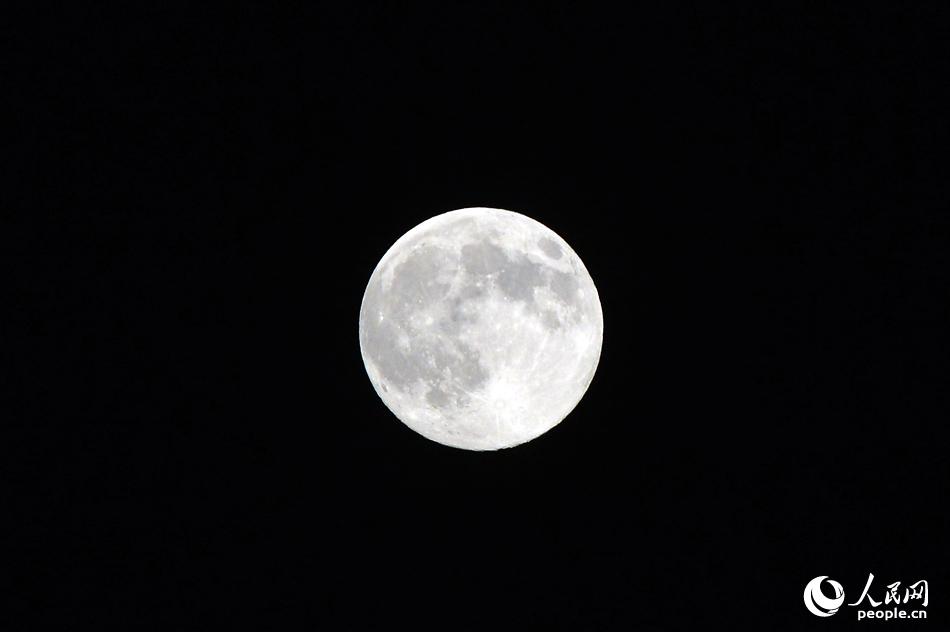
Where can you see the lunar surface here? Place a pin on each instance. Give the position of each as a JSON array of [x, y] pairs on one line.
[[481, 329]]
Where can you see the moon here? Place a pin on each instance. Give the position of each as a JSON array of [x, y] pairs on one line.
[[481, 329]]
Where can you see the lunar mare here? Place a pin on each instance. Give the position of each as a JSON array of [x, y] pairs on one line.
[[480, 329]]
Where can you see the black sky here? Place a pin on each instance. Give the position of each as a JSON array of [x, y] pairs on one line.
[[760, 195]]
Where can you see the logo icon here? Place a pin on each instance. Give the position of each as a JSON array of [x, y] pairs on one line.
[[816, 601]]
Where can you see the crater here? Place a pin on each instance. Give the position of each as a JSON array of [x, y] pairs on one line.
[[423, 278], [519, 279], [550, 319], [457, 316], [564, 284], [437, 398], [516, 278], [549, 247], [483, 258]]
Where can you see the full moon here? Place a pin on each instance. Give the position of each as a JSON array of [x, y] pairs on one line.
[[481, 329]]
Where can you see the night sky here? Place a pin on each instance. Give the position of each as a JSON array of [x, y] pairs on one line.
[[201, 194]]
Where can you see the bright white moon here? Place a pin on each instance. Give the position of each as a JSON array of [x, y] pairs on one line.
[[481, 329]]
